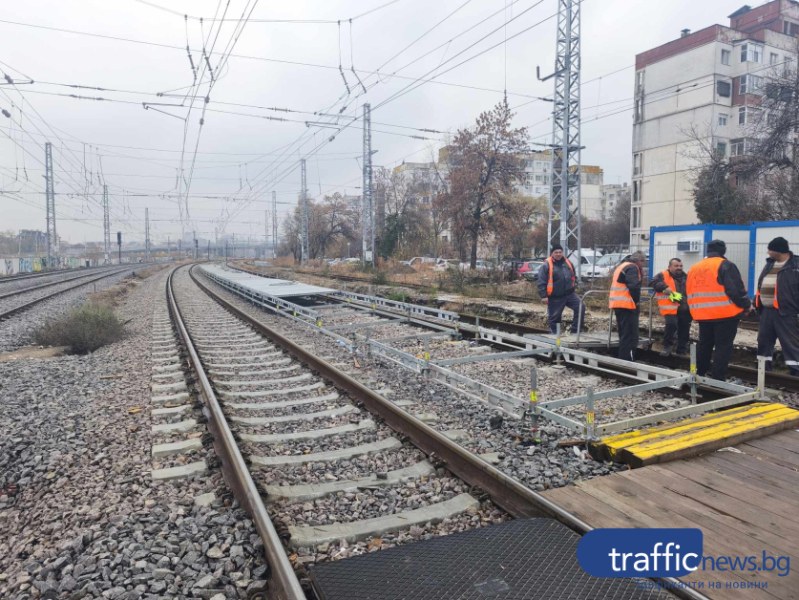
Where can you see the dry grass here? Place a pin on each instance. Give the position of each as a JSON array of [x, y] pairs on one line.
[[82, 330]]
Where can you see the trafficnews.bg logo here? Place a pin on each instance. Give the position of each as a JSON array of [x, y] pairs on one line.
[[669, 552]]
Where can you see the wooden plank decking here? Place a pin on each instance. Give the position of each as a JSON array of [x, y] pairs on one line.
[[745, 503]]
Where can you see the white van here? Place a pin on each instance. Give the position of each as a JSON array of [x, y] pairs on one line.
[[587, 258]]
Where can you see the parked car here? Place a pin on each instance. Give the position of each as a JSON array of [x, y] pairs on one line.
[[606, 264], [529, 269]]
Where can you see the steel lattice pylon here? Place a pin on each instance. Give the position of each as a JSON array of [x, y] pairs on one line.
[[367, 208], [564, 192], [52, 237], [303, 214], [274, 224], [106, 227], [146, 235]]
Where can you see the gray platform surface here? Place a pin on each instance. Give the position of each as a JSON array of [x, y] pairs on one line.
[[523, 559]]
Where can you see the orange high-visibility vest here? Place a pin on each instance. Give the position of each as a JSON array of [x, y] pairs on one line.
[[707, 299], [666, 306], [620, 296], [551, 282]]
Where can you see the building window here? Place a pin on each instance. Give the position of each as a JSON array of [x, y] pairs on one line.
[[789, 28], [787, 66], [751, 53], [773, 58], [721, 149], [636, 191], [725, 57], [738, 147], [771, 118], [638, 115], [640, 80], [749, 84], [742, 115], [636, 164], [636, 216], [723, 119], [723, 88]]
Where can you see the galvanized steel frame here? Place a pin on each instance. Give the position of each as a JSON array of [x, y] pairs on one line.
[[651, 377]]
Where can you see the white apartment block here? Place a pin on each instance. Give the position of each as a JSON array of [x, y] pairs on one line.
[[707, 84], [612, 194], [537, 168]]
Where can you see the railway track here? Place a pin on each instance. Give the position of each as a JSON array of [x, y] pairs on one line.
[[745, 373], [301, 439], [10, 304]]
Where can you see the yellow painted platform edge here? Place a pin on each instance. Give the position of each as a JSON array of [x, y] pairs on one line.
[[687, 425], [654, 449]]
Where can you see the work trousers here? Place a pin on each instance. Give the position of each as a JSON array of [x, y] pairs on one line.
[[555, 307], [628, 332], [679, 324], [773, 327], [715, 347]]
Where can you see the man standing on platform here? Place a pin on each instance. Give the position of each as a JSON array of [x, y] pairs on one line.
[[716, 298], [556, 284], [777, 301], [625, 296], [669, 286]]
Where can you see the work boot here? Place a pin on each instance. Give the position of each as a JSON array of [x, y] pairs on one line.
[[666, 352]]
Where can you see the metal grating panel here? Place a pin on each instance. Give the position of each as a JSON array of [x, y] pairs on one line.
[[523, 559]]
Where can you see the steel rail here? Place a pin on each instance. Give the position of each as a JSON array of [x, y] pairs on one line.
[[27, 305], [51, 284], [508, 493], [283, 583]]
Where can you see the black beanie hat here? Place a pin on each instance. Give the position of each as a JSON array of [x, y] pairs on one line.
[[779, 244], [556, 247], [717, 246]]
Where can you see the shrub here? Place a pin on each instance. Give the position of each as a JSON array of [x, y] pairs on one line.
[[397, 296], [83, 329], [379, 278]]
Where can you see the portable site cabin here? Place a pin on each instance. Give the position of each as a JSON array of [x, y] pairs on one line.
[[747, 245], [689, 244], [762, 232]]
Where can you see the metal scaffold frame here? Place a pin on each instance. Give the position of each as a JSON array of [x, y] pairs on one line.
[[645, 378]]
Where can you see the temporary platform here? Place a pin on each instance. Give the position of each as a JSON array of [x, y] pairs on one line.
[[526, 558], [277, 288], [743, 498], [694, 436]]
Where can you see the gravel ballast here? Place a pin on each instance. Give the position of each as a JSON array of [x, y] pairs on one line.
[[80, 516]]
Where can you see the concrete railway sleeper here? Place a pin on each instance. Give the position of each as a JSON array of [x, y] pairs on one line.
[[332, 473]]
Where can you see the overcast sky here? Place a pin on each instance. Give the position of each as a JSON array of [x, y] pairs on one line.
[[219, 176]]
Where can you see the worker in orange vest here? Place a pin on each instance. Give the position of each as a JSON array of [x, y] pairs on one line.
[[669, 286], [556, 284], [716, 298], [625, 296], [777, 303]]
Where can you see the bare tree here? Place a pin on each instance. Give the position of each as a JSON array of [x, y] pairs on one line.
[[484, 165], [760, 180]]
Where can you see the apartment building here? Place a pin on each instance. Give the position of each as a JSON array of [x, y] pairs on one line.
[[698, 91], [612, 194], [537, 168]]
